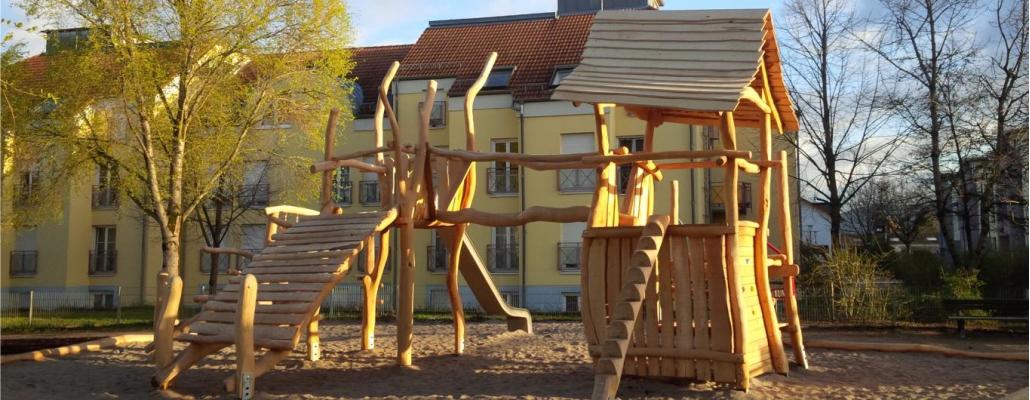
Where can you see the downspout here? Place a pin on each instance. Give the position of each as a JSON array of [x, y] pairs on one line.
[[522, 204], [142, 258]]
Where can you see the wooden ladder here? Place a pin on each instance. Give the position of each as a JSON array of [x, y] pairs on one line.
[[626, 311]]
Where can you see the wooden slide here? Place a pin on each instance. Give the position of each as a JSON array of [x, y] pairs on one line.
[[294, 274], [477, 277]]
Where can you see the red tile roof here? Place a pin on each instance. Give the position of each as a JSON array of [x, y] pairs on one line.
[[535, 47], [370, 65]]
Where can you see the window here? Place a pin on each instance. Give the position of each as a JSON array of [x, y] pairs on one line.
[[503, 252], [205, 262], [634, 144], [105, 194], [559, 74], [255, 191], [368, 188], [103, 258], [743, 199], [503, 178], [252, 239], [342, 187], [499, 78], [571, 302], [28, 185], [102, 299], [570, 246], [25, 256], [438, 115], [577, 180], [437, 254]]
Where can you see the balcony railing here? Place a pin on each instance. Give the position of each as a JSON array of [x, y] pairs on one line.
[[103, 262], [342, 193], [436, 258], [255, 195], [502, 180], [104, 197], [502, 258], [24, 262], [368, 192], [568, 256], [23, 195], [577, 180]]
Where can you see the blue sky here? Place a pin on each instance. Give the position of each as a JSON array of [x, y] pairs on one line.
[[380, 22]]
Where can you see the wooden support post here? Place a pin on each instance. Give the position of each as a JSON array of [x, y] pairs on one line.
[[730, 181], [371, 283], [790, 301], [674, 206], [604, 206], [314, 352], [326, 198], [765, 299], [457, 308], [165, 333], [245, 307], [261, 366]]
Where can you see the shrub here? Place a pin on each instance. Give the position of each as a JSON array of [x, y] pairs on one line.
[[860, 288], [919, 269], [962, 284], [1004, 274]]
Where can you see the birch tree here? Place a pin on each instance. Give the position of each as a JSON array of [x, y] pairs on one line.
[[839, 96], [170, 92]]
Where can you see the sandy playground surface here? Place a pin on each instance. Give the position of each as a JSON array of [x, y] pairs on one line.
[[553, 363]]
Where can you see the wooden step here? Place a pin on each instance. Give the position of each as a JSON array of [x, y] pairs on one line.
[[335, 254], [291, 278], [259, 319], [331, 268], [262, 331], [279, 287], [271, 296], [303, 248], [275, 344], [278, 308]]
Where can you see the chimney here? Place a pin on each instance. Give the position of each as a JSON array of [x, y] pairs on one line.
[[65, 39], [566, 7]]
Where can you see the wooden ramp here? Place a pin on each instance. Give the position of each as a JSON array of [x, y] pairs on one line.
[[295, 273]]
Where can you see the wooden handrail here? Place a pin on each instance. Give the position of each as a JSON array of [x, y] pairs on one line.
[[531, 214], [665, 155], [334, 164], [227, 250], [362, 153], [290, 210]]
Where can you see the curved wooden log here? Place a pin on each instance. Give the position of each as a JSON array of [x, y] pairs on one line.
[[750, 94], [90, 346], [911, 348], [665, 155], [531, 214], [227, 250], [334, 164], [748, 166], [325, 199], [279, 221], [378, 151], [290, 210]]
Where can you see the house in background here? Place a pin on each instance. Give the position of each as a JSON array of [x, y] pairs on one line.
[[815, 223]]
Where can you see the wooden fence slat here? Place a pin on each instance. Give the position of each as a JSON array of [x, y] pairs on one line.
[[697, 278], [598, 253], [666, 308], [626, 253], [683, 262], [722, 331], [652, 321]]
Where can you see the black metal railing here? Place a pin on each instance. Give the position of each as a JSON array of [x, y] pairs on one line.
[[104, 196], [342, 193], [577, 180], [436, 258], [368, 192], [502, 258], [103, 262], [568, 256], [255, 195], [24, 262], [502, 180]]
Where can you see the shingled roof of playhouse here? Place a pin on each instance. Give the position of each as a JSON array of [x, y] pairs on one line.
[[687, 65]]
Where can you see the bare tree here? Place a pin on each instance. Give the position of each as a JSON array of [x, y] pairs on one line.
[[927, 43], [838, 95], [906, 210]]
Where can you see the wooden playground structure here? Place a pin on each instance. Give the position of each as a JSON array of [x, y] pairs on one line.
[[660, 298]]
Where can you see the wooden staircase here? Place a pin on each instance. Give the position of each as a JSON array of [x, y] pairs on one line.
[[626, 311]]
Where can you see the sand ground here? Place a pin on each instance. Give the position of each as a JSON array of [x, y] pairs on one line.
[[553, 363]]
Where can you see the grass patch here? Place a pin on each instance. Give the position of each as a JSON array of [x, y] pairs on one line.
[[68, 321]]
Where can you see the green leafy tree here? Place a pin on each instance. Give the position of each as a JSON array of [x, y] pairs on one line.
[[171, 94]]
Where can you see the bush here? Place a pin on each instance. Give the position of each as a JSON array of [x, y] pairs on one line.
[[962, 284], [860, 288], [1004, 274], [918, 269]]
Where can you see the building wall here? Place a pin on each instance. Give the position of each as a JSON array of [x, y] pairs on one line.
[[815, 226]]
